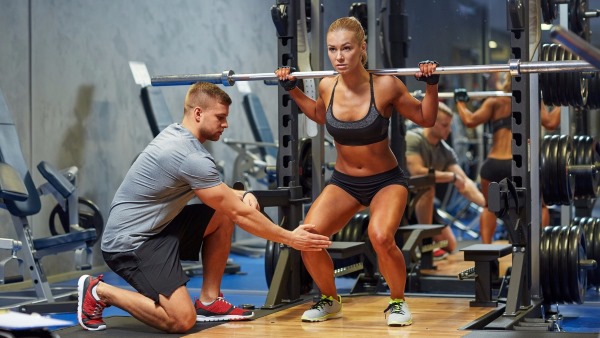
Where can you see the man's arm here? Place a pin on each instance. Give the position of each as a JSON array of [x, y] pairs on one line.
[[466, 186], [223, 199], [416, 166]]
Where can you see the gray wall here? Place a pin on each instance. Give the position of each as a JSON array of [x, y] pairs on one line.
[[66, 79]]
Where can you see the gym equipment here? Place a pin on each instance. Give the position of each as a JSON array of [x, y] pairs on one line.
[[474, 94], [590, 227], [573, 85], [569, 167], [564, 265], [26, 202], [89, 218], [515, 67], [577, 45], [485, 257]]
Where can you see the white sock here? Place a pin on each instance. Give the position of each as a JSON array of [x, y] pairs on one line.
[[208, 304], [95, 294]]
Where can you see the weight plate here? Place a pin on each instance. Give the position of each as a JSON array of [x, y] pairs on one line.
[[543, 77], [571, 271], [568, 161], [271, 257], [563, 265], [561, 80], [581, 272], [545, 172], [553, 77], [554, 258], [596, 249], [545, 265], [592, 158], [90, 217], [552, 156]]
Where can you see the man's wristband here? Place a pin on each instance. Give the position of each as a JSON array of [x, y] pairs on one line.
[[453, 179], [246, 193]]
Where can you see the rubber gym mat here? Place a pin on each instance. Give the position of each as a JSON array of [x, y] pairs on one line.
[[129, 327], [526, 334]]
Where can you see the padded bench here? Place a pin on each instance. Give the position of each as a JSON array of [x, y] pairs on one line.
[[416, 236], [485, 257]]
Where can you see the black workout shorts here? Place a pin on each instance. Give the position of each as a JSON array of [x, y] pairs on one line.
[[364, 188], [155, 267], [495, 170]]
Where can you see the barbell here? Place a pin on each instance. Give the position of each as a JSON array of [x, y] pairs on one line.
[[514, 66]]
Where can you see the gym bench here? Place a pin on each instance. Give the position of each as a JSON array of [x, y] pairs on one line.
[[486, 267], [21, 198]]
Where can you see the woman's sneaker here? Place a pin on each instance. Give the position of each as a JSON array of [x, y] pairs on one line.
[[220, 310], [89, 309], [326, 308], [399, 313]]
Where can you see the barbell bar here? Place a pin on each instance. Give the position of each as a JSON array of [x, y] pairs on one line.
[[472, 95], [515, 67]]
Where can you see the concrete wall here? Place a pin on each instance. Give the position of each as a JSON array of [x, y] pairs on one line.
[[66, 79]]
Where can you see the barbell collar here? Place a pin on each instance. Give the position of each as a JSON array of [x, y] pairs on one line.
[[588, 264], [514, 67], [227, 78]]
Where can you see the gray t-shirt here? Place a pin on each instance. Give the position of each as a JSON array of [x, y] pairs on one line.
[[438, 157], [157, 187]]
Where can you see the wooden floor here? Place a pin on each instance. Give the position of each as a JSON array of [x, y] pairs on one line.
[[363, 315]]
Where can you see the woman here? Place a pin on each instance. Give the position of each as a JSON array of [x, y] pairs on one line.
[[497, 165], [356, 107]]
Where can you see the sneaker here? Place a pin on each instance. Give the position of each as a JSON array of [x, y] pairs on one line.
[[326, 308], [89, 310], [399, 313], [220, 310], [440, 254]]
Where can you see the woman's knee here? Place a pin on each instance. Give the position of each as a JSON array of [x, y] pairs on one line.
[[381, 240]]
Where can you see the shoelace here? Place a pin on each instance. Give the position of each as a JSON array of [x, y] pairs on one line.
[[223, 300], [396, 307], [97, 314], [321, 303]]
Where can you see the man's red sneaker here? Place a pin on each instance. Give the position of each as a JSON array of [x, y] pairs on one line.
[[220, 310], [89, 310]]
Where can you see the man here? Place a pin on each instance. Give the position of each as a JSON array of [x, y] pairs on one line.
[[151, 227], [426, 148]]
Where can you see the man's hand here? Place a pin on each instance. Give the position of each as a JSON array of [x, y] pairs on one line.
[[304, 238], [250, 200], [459, 182]]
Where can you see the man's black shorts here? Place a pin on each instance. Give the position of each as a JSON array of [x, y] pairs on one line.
[[155, 267]]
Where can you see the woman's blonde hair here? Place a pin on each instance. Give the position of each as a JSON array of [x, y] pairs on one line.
[[351, 24]]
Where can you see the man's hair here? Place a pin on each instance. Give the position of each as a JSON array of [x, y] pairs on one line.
[[444, 108], [201, 93]]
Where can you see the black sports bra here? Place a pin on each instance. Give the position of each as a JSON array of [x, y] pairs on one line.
[[370, 129], [505, 122]]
